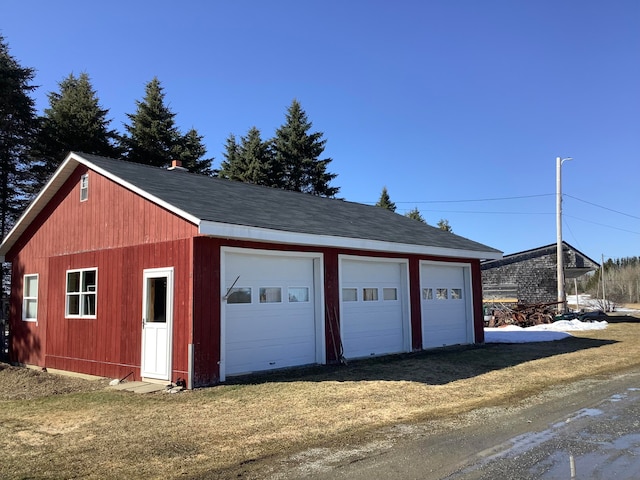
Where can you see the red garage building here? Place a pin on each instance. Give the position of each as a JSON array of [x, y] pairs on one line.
[[121, 268]]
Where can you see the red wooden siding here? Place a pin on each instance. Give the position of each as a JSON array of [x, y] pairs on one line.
[[206, 311], [112, 217], [478, 314], [120, 233], [110, 344], [332, 306], [415, 298]]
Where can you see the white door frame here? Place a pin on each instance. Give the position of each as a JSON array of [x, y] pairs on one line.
[[319, 310], [157, 336]]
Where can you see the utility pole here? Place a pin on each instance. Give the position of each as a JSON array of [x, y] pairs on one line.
[[562, 303]]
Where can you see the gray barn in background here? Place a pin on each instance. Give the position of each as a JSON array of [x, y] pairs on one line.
[[530, 276]]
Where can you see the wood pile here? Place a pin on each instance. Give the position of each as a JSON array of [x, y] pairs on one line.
[[522, 314]]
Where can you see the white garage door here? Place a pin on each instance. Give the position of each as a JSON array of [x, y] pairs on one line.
[[446, 305], [374, 318], [270, 312]]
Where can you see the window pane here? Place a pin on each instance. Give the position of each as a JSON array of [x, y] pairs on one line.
[[427, 294], [389, 293], [84, 187], [31, 309], [31, 286], [239, 295], [89, 304], [369, 294], [156, 300], [73, 282], [456, 294], [441, 293], [89, 281], [270, 295], [298, 294], [73, 304], [349, 294]]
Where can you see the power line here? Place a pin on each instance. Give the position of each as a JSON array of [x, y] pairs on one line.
[[487, 213], [475, 200], [602, 224], [604, 208]]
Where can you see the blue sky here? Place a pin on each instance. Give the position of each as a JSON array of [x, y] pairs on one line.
[[458, 107]]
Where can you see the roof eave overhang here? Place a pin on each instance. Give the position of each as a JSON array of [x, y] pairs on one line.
[[61, 175], [259, 234]]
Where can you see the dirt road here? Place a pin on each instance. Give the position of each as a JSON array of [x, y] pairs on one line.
[[533, 440]]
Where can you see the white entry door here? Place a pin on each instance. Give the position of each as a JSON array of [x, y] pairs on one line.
[[157, 321]]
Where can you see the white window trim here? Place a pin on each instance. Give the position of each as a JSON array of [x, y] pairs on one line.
[[84, 187], [80, 293], [25, 298]]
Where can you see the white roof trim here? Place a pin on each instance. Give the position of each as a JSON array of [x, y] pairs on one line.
[[142, 193], [54, 184], [218, 229], [244, 232]]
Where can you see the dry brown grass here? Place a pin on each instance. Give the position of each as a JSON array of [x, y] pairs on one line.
[[112, 434]]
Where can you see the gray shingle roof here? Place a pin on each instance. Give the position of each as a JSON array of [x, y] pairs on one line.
[[235, 203]]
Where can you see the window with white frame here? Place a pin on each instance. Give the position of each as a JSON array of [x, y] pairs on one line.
[[298, 294], [84, 187], [370, 294], [270, 295], [30, 298], [82, 293]]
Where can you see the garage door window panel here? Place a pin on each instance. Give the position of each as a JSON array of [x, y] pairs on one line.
[[239, 295], [370, 294], [427, 293], [389, 294], [441, 294], [298, 294], [349, 294], [456, 294], [270, 295]]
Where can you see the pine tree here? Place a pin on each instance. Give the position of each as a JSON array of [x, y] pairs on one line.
[[18, 123], [231, 168], [443, 224], [251, 161], [385, 201], [191, 150], [415, 215], [297, 155], [73, 121], [152, 137], [257, 159]]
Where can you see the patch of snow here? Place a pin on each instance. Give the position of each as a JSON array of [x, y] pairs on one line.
[[539, 333]]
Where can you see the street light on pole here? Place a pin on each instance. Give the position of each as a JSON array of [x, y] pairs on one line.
[[562, 304]]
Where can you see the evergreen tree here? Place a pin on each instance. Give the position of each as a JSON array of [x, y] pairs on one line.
[[152, 137], [385, 201], [18, 123], [73, 121], [415, 215], [297, 155], [191, 150], [251, 161], [443, 224], [231, 168], [257, 160]]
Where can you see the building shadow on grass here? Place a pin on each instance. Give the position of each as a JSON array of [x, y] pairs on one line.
[[433, 367]]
